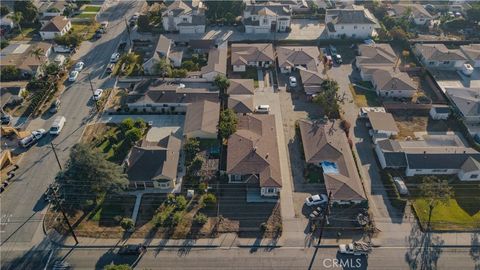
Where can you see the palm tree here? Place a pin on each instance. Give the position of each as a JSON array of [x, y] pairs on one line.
[[17, 17], [38, 53]]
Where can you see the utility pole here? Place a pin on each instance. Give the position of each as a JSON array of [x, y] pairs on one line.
[[128, 32], [93, 92], [58, 203], [56, 156], [324, 220]]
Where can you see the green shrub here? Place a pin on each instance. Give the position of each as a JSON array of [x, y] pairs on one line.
[[181, 202], [127, 124], [200, 218], [140, 123], [163, 217], [127, 224], [209, 200], [133, 135], [263, 226], [177, 218]]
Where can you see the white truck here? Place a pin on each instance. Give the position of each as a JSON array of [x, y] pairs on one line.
[[356, 248]]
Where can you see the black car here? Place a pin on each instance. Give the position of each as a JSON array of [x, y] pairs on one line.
[[132, 249]]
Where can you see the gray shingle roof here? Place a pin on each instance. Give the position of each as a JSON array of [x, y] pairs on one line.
[[466, 100], [202, 116], [387, 80], [357, 15], [439, 52], [382, 121]]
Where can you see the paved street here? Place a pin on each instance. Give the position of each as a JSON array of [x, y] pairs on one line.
[[23, 201]]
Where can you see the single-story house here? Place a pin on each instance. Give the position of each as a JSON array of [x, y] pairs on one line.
[[241, 95], [290, 57], [398, 84], [20, 56], [154, 165], [326, 145], [472, 52], [439, 56], [155, 95], [429, 153], [374, 56], [257, 55], [311, 80], [58, 26], [465, 101], [252, 154], [201, 120], [417, 13], [163, 50], [439, 112], [217, 63], [383, 124], [241, 87]]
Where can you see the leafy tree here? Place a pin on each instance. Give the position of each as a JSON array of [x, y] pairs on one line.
[[143, 23], [200, 218], [208, 200], [3, 43], [328, 99], [16, 17], [27, 9], [228, 123], [140, 123], [217, 10], [222, 82], [191, 148], [70, 39], [163, 68], [189, 65], [181, 202], [10, 73], [133, 135], [196, 165], [52, 69], [473, 14], [4, 10], [127, 224], [37, 85], [229, 18], [117, 267], [127, 124], [398, 34], [435, 191], [81, 3], [88, 174], [179, 73], [38, 53], [177, 218]]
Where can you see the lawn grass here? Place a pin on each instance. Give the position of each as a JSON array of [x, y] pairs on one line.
[[364, 98], [251, 73], [86, 30], [25, 34], [86, 15], [461, 213], [91, 9]]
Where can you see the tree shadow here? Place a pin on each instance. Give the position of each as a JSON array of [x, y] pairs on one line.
[[424, 249], [31, 259]]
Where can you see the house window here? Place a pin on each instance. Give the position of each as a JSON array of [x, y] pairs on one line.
[[165, 185], [439, 170], [431, 63], [418, 170], [473, 176], [270, 190], [185, 20], [446, 62], [265, 21]]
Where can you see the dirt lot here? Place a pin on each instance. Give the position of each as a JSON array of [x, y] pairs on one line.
[[408, 124]]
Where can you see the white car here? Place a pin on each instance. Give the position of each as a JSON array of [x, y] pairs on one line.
[[292, 81], [316, 200], [115, 57], [135, 16], [79, 66], [97, 94], [33, 138], [73, 76], [401, 187]]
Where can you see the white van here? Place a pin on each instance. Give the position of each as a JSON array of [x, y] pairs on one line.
[[57, 125], [263, 109]]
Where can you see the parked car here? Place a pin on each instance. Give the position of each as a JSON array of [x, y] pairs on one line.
[[132, 23], [97, 94], [132, 249], [356, 248], [263, 109], [103, 25], [401, 187], [57, 125], [292, 81], [32, 138], [115, 57], [337, 58], [55, 105], [316, 200], [98, 34], [73, 76], [135, 16], [110, 67], [5, 119], [62, 49], [79, 66]]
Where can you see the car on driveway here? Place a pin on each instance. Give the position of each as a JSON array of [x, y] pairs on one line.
[[55, 105], [73, 76], [32, 138], [79, 66], [316, 200], [132, 249], [115, 57], [292, 81], [97, 94]]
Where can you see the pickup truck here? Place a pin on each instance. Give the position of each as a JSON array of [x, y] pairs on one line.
[[356, 248]]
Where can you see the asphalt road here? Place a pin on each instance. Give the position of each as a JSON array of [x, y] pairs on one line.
[[22, 203], [244, 258]]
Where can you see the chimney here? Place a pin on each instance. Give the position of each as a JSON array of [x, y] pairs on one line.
[[266, 156]]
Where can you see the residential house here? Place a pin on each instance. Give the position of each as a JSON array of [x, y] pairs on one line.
[[374, 56], [430, 153], [389, 83], [472, 52], [50, 8], [291, 57], [20, 56], [202, 45], [257, 55], [266, 17], [438, 56], [186, 17], [311, 81], [252, 155], [155, 95], [154, 164], [241, 95], [415, 12], [216, 64], [58, 26], [382, 124], [163, 50], [353, 22], [325, 145], [466, 102], [201, 120], [439, 112], [297, 6]]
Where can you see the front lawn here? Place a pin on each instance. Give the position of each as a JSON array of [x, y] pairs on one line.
[[91, 9], [86, 15], [461, 213], [25, 34], [364, 98], [86, 30], [251, 73]]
